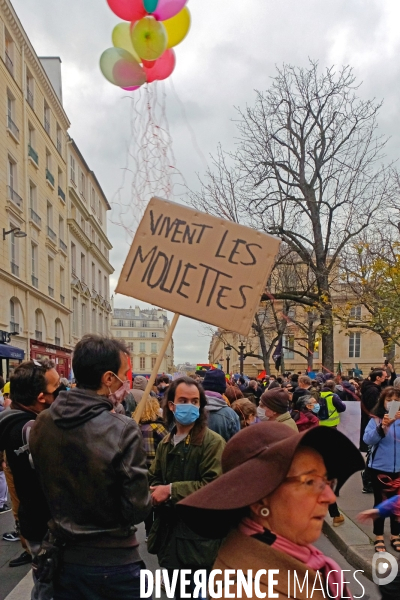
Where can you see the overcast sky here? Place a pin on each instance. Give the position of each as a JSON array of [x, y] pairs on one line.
[[231, 50]]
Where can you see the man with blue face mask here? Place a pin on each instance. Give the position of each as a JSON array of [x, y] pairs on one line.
[[186, 459]]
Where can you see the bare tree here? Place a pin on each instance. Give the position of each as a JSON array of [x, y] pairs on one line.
[[308, 168]]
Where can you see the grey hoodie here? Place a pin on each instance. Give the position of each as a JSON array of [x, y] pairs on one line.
[[138, 387], [221, 418]]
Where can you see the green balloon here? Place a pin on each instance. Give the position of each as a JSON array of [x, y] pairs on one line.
[[150, 5]]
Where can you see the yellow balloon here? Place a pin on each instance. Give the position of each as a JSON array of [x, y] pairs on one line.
[[178, 27], [121, 38]]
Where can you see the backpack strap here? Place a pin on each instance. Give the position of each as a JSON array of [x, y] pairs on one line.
[[26, 431]]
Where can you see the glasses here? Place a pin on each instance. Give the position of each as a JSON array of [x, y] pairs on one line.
[[314, 484]]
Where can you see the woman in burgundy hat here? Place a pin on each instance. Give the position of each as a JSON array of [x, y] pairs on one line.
[[271, 500]]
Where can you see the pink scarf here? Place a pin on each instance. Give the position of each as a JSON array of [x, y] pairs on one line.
[[309, 555]]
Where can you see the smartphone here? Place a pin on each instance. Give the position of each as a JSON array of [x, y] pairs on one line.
[[386, 362], [394, 406]]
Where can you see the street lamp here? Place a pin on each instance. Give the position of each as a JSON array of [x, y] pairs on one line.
[[242, 347], [228, 356], [16, 231]]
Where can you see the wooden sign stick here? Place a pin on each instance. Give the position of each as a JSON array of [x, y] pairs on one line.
[[150, 383]]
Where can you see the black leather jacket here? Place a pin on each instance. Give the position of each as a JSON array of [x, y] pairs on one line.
[[92, 467]]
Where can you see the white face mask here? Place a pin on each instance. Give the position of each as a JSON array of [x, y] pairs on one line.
[[260, 412]]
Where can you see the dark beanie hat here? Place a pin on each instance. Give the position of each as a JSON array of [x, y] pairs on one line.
[[276, 400], [215, 381]]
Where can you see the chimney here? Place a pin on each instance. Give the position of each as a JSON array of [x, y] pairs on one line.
[[52, 66]]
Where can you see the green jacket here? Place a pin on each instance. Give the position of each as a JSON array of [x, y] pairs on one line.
[[188, 466]]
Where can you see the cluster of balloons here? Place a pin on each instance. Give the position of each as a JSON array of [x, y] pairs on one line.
[[143, 44]]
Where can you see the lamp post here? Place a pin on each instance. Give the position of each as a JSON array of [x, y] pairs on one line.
[[242, 347], [228, 356]]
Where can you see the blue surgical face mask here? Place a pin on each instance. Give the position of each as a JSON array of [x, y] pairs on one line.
[[186, 414], [315, 408]]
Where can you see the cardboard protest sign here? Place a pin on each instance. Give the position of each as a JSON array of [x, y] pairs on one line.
[[197, 265]]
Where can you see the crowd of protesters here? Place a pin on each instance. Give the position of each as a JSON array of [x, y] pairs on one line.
[[216, 467]]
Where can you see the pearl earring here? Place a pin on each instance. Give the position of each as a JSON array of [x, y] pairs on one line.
[[264, 512]]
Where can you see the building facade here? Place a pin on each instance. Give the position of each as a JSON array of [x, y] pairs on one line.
[[143, 331], [353, 348], [37, 288]]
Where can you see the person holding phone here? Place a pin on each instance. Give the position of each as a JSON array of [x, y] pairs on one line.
[[383, 434]]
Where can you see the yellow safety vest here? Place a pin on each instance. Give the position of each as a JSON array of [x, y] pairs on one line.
[[333, 419]]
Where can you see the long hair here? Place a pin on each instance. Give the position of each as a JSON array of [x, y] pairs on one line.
[[379, 409], [150, 411], [169, 415]]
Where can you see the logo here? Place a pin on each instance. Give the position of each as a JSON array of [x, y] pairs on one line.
[[384, 568]]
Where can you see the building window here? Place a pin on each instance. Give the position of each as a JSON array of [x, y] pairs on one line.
[[11, 115], [94, 320], [57, 335], [142, 334], [14, 252], [61, 228], [105, 288], [50, 276], [75, 316], [153, 362], [92, 199], [82, 184], [30, 89], [9, 53], [100, 323], [93, 277], [32, 197], [59, 139], [73, 258], [12, 175], [154, 334], [142, 363], [142, 347], [38, 325], [47, 117], [83, 267], [72, 170], [119, 333], [83, 318], [120, 323], [14, 317], [355, 345], [100, 277], [62, 285], [34, 265], [355, 312], [288, 343], [154, 348], [145, 324], [130, 346]]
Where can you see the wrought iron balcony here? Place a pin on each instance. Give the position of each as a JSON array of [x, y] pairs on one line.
[[9, 63], [14, 269], [14, 197], [33, 155], [35, 218], [51, 234], [12, 127], [29, 97], [50, 177], [61, 194]]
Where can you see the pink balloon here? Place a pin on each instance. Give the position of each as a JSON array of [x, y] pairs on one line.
[[126, 73], [162, 68], [166, 9], [132, 89], [128, 10]]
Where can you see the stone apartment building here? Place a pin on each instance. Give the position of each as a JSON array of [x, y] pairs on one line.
[[143, 331], [41, 216], [352, 347]]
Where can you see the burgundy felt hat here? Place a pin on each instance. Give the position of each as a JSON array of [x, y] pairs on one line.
[[254, 463]]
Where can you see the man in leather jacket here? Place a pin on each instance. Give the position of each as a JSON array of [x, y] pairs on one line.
[[92, 467]]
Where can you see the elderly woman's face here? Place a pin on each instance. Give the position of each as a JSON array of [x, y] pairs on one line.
[[298, 507]]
